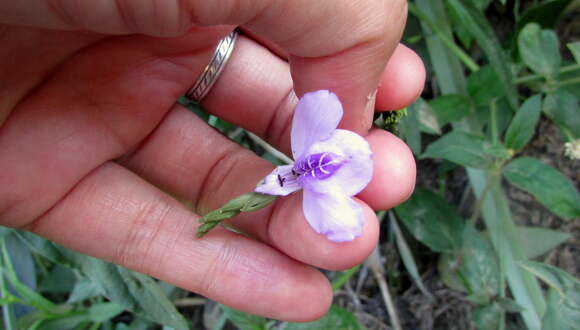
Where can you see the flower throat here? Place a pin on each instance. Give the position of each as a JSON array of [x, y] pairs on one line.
[[317, 166]]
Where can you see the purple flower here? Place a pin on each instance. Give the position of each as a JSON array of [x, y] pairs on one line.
[[331, 165]]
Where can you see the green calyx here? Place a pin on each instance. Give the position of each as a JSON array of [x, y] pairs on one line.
[[245, 203]]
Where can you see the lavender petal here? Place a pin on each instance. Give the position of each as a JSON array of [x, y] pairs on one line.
[[338, 217], [355, 171], [280, 182], [315, 118]]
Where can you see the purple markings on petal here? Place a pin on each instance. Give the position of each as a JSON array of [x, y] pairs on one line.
[[357, 166], [331, 166], [318, 166]]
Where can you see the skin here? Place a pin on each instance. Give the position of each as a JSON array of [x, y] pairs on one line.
[[96, 156]]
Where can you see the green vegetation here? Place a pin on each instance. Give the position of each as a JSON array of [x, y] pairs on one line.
[[489, 89]]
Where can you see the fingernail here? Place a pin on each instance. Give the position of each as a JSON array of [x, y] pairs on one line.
[[369, 109]]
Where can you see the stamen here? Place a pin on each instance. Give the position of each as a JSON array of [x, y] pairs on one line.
[[281, 180], [317, 166]]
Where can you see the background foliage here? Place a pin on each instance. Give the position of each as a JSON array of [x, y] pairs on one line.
[[504, 79]]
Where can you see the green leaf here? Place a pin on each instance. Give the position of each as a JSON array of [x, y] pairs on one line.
[[488, 317], [130, 290], [42, 246], [479, 27], [562, 108], [407, 256], [481, 4], [483, 87], [556, 278], [563, 313], [428, 122], [104, 311], [509, 305], [82, 290], [465, 149], [72, 321], [545, 13], [343, 277], [24, 268], [243, 320], [27, 294], [540, 50], [523, 126], [450, 108], [551, 188], [447, 267], [409, 131], [60, 279], [507, 244], [448, 68], [480, 268], [537, 241], [460, 31], [8, 316], [495, 210], [432, 221], [336, 318], [106, 277], [473, 268], [153, 303], [458, 25], [574, 48]]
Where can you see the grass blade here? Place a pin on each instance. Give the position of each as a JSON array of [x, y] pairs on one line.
[[478, 26], [407, 256], [446, 65], [343, 277]]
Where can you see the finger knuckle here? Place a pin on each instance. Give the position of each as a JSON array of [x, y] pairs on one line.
[[136, 250], [154, 17], [220, 264], [223, 167]]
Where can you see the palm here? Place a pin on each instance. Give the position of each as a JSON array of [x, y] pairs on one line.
[[90, 135]]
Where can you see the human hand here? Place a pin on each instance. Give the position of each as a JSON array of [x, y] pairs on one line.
[[94, 153]]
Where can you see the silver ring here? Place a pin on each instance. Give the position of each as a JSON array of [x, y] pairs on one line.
[[213, 70]]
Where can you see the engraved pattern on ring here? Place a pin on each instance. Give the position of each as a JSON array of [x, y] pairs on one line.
[[212, 71]]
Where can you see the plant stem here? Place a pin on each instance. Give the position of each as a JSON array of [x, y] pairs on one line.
[[374, 263], [532, 77], [493, 121], [8, 317], [344, 276], [491, 181], [569, 82], [460, 53], [282, 157]]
